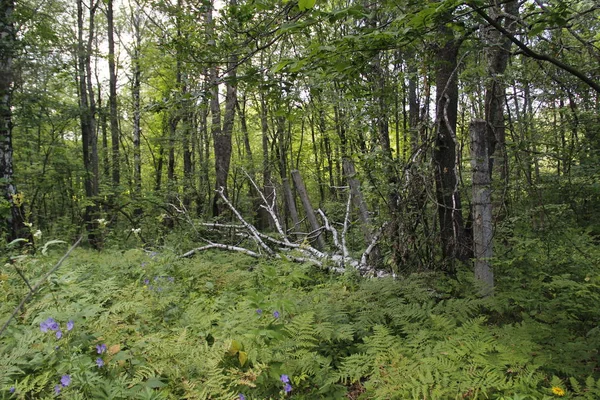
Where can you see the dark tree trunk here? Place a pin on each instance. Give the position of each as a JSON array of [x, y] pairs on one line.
[[87, 121], [13, 221], [497, 54], [114, 117], [318, 242], [222, 134], [135, 91], [455, 244], [265, 219]]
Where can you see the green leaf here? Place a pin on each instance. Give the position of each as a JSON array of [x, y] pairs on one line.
[[279, 66], [154, 383], [304, 5], [49, 243], [243, 357]]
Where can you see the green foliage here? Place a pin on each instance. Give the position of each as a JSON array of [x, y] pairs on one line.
[[219, 325]]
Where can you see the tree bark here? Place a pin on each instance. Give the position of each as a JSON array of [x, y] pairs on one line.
[[497, 54], [358, 199], [319, 242], [222, 134], [482, 206], [454, 240], [87, 122], [114, 117], [135, 91], [13, 220]]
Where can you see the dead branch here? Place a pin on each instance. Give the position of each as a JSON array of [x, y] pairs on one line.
[[280, 246]]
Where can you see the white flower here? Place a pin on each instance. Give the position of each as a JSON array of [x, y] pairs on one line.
[[102, 222], [37, 234], [136, 230]]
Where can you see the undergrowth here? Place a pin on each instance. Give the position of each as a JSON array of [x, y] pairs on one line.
[[148, 325]]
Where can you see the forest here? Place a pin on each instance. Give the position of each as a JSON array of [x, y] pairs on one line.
[[307, 199]]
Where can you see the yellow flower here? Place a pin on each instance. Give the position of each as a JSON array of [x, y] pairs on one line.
[[558, 391]]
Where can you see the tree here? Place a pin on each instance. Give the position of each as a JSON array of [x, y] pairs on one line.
[[11, 204], [87, 111], [455, 244]]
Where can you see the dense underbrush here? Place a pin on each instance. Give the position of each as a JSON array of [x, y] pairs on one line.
[[148, 325]]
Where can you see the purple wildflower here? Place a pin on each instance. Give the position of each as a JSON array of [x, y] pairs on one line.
[[287, 388], [65, 380], [57, 389], [70, 325], [259, 311], [241, 396], [284, 379], [50, 323], [100, 348], [12, 389], [276, 314], [99, 362], [146, 281], [171, 279], [58, 334]]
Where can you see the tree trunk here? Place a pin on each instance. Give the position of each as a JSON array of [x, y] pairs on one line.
[[269, 189], [482, 206], [13, 220], [319, 242], [135, 91], [497, 54], [454, 240], [222, 134], [358, 199], [87, 121], [114, 117]]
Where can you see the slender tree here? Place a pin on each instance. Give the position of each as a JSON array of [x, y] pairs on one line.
[[89, 138], [12, 217], [112, 99], [445, 156]]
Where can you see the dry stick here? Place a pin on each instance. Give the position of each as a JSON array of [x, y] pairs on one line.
[[221, 246], [363, 259], [330, 228], [37, 286], [248, 226], [269, 208]]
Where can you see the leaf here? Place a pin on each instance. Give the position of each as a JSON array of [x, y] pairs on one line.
[[51, 242], [234, 347], [243, 357], [279, 66], [154, 383], [15, 242]]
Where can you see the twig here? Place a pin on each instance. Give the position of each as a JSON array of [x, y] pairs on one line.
[[248, 226], [37, 286], [221, 246]]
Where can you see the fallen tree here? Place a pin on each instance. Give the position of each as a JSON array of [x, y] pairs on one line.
[[279, 245]]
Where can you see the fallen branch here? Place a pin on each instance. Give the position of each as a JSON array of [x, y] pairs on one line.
[[281, 247]]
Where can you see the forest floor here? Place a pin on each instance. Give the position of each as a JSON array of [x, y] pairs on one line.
[[150, 325]]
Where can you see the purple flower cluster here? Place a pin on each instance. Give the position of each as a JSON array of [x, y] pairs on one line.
[[287, 388], [100, 348], [65, 381], [52, 325]]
